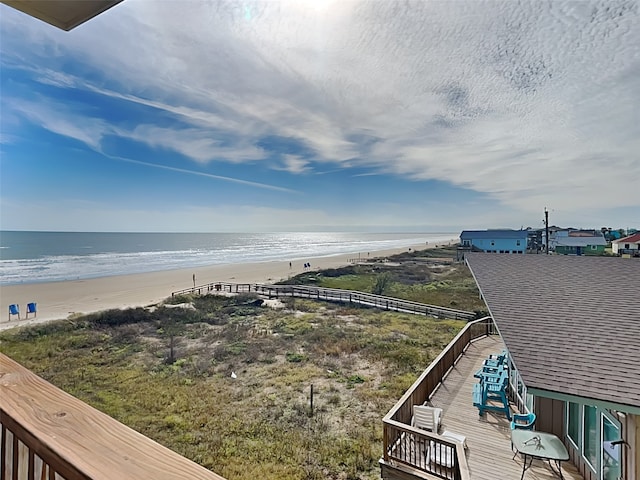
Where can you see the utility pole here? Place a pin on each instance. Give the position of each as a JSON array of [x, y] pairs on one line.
[[546, 229]]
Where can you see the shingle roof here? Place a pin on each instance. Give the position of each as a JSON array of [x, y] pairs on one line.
[[493, 234], [571, 324], [579, 241]]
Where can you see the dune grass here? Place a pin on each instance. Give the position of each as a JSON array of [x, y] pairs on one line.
[[258, 425], [426, 276]]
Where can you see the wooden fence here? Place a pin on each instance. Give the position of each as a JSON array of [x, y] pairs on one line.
[[46, 433], [401, 441], [331, 295]]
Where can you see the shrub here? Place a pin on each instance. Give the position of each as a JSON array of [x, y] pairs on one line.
[[295, 357]]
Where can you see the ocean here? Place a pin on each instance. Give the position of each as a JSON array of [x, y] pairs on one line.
[[31, 257]]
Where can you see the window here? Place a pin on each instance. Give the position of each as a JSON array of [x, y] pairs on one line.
[[589, 435], [518, 243], [610, 459], [493, 243], [466, 243], [573, 422], [626, 246]]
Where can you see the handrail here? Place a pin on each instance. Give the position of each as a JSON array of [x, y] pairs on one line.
[[331, 294], [47, 433], [425, 386], [414, 445]]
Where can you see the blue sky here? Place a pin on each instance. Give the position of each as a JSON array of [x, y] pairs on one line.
[[322, 115]]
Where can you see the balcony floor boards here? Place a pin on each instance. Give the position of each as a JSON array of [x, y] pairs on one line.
[[489, 452]]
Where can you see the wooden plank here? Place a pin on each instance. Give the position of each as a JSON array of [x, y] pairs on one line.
[[333, 295], [70, 434], [489, 453]]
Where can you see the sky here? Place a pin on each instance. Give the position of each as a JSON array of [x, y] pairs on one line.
[[311, 115]]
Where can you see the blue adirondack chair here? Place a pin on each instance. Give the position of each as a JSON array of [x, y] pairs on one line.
[[32, 308], [496, 360], [14, 310]]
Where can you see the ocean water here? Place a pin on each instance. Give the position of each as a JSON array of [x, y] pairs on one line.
[[30, 257]]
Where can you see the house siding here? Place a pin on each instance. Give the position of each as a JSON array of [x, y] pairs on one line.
[[551, 418], [619, 247], [500, 243], [586, 250]]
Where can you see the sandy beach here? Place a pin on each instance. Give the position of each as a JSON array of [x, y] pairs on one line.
[[59, 300]]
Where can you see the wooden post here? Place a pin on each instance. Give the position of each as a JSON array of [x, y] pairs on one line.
[[311, 399]]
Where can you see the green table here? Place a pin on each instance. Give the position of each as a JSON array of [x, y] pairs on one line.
[[545, 446]]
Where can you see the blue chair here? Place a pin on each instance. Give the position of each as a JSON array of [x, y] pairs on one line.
[[496, 360], [14, 310], [523, 421], [32, 308]]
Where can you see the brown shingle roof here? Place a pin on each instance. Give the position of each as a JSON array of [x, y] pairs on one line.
[[571, 324]]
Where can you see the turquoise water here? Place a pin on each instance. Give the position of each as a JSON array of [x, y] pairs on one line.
[[27, 257]]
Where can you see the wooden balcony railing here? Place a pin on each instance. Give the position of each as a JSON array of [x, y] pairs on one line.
[[331, 295], [406, 445], [46, 433]]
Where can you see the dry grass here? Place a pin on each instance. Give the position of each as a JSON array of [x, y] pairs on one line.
[[258, 425]]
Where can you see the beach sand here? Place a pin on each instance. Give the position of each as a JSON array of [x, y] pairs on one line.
[[59, 300]]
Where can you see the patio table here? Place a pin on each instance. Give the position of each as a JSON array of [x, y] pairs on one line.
[[541, 445]]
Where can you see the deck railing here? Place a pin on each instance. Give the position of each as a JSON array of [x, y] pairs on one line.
[[517, 389], [332, 295], [403, 443], [46, 433]]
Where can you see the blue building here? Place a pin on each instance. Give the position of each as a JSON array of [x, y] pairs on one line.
[[495, 241]]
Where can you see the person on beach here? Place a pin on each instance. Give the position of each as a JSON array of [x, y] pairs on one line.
[[289, 265], [194, 280]]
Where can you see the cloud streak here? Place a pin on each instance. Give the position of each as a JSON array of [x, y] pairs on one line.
[[530, 103], [203, 174]]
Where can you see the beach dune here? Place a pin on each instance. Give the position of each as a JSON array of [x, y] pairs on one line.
[[59, 300]]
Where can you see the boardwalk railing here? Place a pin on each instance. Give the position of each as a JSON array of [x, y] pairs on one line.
[[46, 433], [404, 445], [332, 295]]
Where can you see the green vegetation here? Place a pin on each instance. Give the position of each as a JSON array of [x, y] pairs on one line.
[[167, 372], [427, 276], [360, 362]]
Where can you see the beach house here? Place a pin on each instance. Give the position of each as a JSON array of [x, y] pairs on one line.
[[571, 340], [495, 241], [580, 245], [627, 246]]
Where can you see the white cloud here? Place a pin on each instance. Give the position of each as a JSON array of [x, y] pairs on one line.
[[203, 174], [294, 164], [56, 117], [531, 103]]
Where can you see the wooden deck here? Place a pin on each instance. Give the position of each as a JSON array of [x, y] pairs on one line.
[[47, 433], [489, 454]]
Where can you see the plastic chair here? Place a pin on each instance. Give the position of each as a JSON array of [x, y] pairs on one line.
[[14, 310], [427, 418], [523, 421], [32, 308]]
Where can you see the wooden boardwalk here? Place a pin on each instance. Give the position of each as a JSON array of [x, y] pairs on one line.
[[330, 295], [489, 455]]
